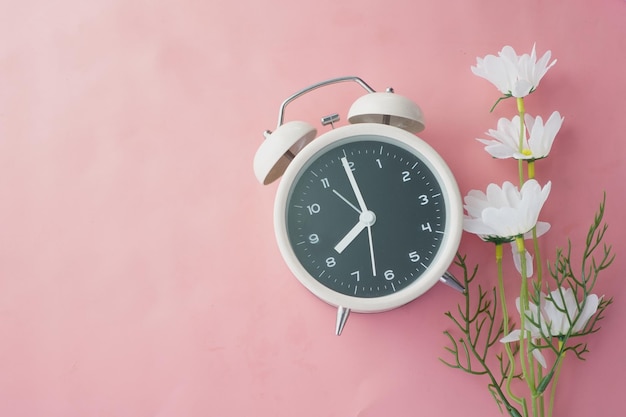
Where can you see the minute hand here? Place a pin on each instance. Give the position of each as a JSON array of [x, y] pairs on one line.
[[364, 210], [353, 184]]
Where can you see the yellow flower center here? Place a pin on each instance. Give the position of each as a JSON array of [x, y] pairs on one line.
[[527, 152]]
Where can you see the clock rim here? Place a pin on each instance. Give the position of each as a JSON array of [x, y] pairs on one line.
[[447, 250]]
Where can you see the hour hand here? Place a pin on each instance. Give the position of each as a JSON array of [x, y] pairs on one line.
[[348, 238], [366, 219]]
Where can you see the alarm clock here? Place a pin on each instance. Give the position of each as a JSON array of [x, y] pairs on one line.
[[367, 216]]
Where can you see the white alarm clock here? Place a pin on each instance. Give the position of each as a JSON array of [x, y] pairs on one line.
[[367, 216]]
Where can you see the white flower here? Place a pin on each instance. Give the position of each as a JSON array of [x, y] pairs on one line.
[[562, 309], [513, 75], [534, 317], [560, 312], [507, 135], [542, 136], [504, 213]]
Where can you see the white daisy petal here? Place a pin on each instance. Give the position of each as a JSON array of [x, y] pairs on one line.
[[505, 212], [539, 357], [517, 259], [512, 74], [511, 337], [589, 309]]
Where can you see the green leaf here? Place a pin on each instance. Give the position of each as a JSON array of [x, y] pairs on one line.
[[544, 382]]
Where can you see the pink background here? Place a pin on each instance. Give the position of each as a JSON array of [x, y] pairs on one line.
[[139, 275]]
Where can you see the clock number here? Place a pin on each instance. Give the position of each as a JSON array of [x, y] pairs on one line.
[[426, 227], [414, 256], [325, 182], [423, 199], [380, 165], [313, 208], [330, 262], [313, 238], [406, 176], [389, 275], [356, 275]]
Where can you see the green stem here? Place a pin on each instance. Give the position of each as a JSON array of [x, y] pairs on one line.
[[539, 273], [531, 169], [520, 163], [556, 378], [505, 318], [526, 357], [542, 405], [538, 264], [509, 407]]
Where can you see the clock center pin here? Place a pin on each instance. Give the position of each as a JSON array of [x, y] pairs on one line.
[[368, 218]]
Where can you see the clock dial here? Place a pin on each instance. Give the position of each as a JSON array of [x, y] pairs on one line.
[[368, 217], [365, 216]]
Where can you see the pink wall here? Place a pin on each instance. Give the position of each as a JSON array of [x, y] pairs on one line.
[[138, 270]]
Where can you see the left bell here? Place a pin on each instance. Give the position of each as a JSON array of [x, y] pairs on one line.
[[279, 148]]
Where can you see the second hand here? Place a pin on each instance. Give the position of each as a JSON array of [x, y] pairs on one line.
[[346, 201]]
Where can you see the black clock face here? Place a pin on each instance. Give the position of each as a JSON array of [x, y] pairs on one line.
[[365, 216]]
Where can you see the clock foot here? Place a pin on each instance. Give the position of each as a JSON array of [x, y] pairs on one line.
[[450, 280], [342, 317]]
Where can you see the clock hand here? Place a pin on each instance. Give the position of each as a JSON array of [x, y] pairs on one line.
[[353, 184], [369, 237], [352, 234], [346, 201], [359, 198], [366, 219]]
